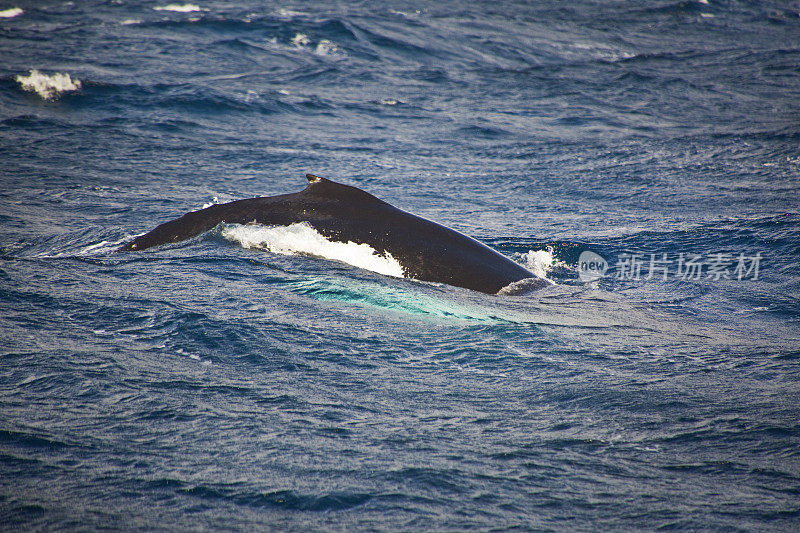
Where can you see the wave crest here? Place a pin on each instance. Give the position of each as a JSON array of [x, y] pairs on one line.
[[179, 8], [48, 87], [10, 13]]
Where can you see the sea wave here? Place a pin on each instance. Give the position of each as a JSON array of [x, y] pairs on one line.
[[538, 261], [12, 12], [296, 393], [47, 86], [179, 8]]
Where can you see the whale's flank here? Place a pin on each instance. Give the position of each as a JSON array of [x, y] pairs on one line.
[[426, 250]]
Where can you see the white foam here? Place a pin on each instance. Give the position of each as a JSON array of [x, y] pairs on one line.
[[102, 247], [251, 96], [93, 247], [214, 201], [303, 239], [128, 22], [13, 12], [326, 47], [524, 286], [300, 39], [539, 262], [193, 356], [48, 87], [405, 14], [289, 13], [179, 8], [323, 47]]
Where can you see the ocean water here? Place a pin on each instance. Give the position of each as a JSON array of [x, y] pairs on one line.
[[216, 384]]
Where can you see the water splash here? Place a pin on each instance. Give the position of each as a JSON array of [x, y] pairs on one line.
[[179, 8], [300, 40], [214, 201], [48, 87], [539, 262], [326, 47], [10, 13]]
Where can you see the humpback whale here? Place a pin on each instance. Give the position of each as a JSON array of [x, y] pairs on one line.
[[427, 251]]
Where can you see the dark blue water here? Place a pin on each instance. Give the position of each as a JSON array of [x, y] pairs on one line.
[[211, 385]]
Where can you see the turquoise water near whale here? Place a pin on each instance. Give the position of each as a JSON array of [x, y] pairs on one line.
[[214, 385]]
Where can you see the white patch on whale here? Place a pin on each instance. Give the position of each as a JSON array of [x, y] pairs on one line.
[[301, 238]]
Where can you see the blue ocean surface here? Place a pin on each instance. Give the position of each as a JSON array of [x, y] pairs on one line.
[[221, 383]]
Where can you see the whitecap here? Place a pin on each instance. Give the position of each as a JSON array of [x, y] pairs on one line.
[[326, 47], [194, 357], [48, 87], [303, 239], [214, 201], [103, 247], [128, 22], [92, 247], [416, 13], [300, 39], [289, 13], [539, 262], [323, 47], [9, 13], [179, 8]]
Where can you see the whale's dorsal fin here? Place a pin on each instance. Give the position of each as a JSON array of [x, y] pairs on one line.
[[322, 187]]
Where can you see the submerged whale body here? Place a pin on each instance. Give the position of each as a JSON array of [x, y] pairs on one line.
[[426, 251]]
